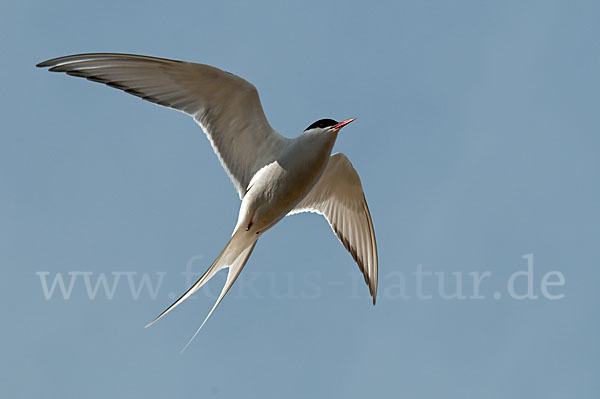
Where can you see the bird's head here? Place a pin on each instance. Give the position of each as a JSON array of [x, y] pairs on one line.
[[328, 125]]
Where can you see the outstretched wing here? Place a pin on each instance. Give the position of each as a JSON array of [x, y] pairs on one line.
[[226, 106], [338, 195]]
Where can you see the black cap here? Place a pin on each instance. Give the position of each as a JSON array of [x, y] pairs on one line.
[[322, 123]]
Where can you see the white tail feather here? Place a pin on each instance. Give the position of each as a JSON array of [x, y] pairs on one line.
[[232, 274], [234, 256]]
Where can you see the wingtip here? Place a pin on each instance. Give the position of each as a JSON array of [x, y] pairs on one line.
[[44, 64], [51, 62]]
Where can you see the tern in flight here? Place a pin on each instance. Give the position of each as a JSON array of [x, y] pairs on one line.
[[274, 176]]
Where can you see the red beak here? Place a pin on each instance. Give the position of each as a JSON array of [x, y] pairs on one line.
[[343, 123]]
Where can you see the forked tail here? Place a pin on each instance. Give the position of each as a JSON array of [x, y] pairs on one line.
[[234, 256]]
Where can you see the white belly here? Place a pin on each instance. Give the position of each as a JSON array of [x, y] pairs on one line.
[[280, 185]]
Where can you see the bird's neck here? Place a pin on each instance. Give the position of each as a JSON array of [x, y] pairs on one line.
[[321, 139]]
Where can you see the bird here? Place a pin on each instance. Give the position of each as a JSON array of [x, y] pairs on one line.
[[274, 176]]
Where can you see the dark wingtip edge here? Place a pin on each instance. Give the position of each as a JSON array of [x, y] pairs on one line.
[[44, 64], [50, 63]]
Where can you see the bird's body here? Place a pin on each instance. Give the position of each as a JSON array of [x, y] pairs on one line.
[[278, 186], [274, 176]]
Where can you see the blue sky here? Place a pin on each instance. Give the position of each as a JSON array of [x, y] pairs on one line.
[[477, 143]]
